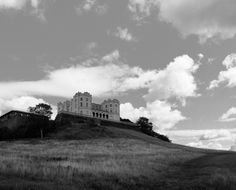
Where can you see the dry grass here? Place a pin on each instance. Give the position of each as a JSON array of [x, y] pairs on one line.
[[107, 163]]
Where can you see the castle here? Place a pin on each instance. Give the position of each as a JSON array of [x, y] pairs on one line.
[[82, 104]]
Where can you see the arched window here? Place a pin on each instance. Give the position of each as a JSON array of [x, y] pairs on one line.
[[96, 114], [103, 116], [100, 115], [93, 114]]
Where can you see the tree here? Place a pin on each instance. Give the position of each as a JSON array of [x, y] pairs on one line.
[[41, 109], [144, 124], [147, 128]]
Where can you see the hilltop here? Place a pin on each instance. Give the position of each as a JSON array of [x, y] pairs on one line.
[[79, 156]]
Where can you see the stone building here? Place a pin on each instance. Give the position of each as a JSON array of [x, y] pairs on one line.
[[81, 103]]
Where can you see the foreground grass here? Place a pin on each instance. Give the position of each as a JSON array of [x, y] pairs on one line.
[[121, 163]]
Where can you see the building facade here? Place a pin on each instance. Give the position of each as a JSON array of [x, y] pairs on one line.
[[81, 103]]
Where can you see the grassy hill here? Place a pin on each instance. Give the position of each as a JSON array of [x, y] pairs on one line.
[[79, 156]]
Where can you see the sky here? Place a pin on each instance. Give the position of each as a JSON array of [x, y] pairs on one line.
[[172, 61]]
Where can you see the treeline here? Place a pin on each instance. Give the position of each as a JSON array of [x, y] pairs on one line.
[[147, 128]]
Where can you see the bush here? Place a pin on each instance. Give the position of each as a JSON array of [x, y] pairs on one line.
[[147, 128]]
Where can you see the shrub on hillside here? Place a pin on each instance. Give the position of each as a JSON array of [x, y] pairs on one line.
[[125, 120], [147, 128]]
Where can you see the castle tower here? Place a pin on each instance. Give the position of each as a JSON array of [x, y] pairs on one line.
[[113, 108], [82, 103]]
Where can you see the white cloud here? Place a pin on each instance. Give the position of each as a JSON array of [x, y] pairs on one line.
[[35, 8], [142, 8], [176, 80], [205, 138], [228, 76], [109, 76], [18, 4], [22, 103], [229, 116], [207, 19], [195, 133], [101, 77], [160, 113], [217, 135], [92, 5], [209, 145], [124, 34]]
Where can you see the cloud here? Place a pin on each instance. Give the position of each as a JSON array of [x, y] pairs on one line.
[[195, 132], [105, 76], [176, 80], [35, 8], [17, 4], [92, 5], [209, 19], [209, 145], [222, 134], [228, 116], [204, 138], [22, 103], [142, 8], [124, 34], [228, 76], [160, 113]]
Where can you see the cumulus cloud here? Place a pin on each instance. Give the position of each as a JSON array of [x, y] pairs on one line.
[[176, 80], [109, 75], [22, 103], [222, 134], [124, 34], [35, 8], [101, 77], [208, 145], [160, 113], [229, 75], [204, 138], [18, 4], [91, 5], [229, 116], [207, 19]]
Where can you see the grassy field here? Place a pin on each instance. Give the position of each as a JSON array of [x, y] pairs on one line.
[[128, 160]]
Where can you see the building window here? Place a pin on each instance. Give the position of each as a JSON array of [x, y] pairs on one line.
[[81, 99], [110, 105], [86, 99], [116, 105], [86, 104], [111, 110], [81, 104], [106, 106]]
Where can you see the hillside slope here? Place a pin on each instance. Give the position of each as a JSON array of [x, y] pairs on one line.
[[84, 157], [83, 131]]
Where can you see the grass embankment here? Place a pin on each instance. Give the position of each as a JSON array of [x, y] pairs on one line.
[[128, 160]]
